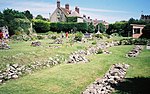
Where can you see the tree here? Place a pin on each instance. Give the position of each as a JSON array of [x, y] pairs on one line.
[[41, 26], [2, 22], [146, 32], [28, 14], [91, 28], [101, 28], [40, 17], [8, 18]]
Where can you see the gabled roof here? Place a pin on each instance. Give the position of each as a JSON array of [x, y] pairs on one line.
[[65, 11], [75, 14]]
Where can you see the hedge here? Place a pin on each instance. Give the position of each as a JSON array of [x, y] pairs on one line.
[[41, 26], [68, 26]]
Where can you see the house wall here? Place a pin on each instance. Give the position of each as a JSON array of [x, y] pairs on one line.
[[58, 16], [79, 20], [137, 35]]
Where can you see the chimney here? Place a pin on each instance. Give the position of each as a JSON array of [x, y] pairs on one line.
[[84, 16], [77, 9], [58, 3], [67, 6]]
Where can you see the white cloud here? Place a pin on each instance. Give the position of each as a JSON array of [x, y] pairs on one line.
[[44, 8], [35, 7], [101, 16], [103, 10]]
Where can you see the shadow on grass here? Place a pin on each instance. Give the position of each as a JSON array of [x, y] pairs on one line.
[[139, 85]]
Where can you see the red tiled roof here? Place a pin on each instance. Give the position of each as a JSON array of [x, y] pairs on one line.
[[65, 11]]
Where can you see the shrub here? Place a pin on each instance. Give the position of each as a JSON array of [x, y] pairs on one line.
[[94, 42], [40, 37], [78, 36], [99, 36], [71, 19], [140, 41], [53, 37], [132, 41], [115, 35], [100, 51], [41, 26], [68, 26], [106, 35], [22, 37]]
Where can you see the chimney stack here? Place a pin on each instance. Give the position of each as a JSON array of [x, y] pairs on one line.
[[77, 10], [84, 16], [67, 6], [58, 3]]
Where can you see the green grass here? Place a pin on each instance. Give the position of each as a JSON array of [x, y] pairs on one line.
[[74, 78], [24, 53]]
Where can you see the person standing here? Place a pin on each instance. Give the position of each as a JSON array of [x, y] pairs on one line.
[[1, 35], [67, 35]]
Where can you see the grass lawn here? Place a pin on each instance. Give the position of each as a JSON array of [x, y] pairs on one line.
[[23, 53], [74, 78]]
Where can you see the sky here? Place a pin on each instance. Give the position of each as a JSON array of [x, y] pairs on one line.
[[107, 10]]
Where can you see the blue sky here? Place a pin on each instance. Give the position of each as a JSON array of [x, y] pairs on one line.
[[108, 10]]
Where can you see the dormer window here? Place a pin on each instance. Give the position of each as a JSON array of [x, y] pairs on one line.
[[58, 14]]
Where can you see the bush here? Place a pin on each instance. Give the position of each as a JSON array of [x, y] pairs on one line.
[[41, 26], [68, 26], [78, 36], [115, 35], [132, 41], [94, 42], [71, 19], [53, 37], [106, 35], [99, 36], [22, 37], [40, 37], [100, 51]]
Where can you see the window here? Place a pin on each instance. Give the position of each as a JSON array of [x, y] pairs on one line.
[[136, 30]]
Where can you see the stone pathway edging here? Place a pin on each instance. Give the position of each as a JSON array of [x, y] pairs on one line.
[[135, 51], [14, 71], [79, 56], [105, 85]]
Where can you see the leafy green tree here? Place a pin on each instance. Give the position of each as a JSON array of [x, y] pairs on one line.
[[101, 28], [40, 17], [146, 32], [2, 22], [41, 26], [71, 19], [14, 20], [91, 28], [28, 14]]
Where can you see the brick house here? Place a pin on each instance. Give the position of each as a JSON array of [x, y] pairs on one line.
[[60, 14], [137, 30]]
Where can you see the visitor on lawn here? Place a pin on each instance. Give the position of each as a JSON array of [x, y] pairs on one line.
[[1, 34], [67, 35]]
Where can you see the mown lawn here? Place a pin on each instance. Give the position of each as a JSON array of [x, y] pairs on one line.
[[24, 53], [74, 78]]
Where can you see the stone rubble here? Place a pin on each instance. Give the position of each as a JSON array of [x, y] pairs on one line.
[[58, 41], [79, 56], [106, 84], [135, 51], [75, 58], [36, 43], [4, 46], [14, 71]]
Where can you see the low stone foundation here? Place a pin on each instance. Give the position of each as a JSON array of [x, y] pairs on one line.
[[135, 51], [105, 85], [14, 71], [79, 56]]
